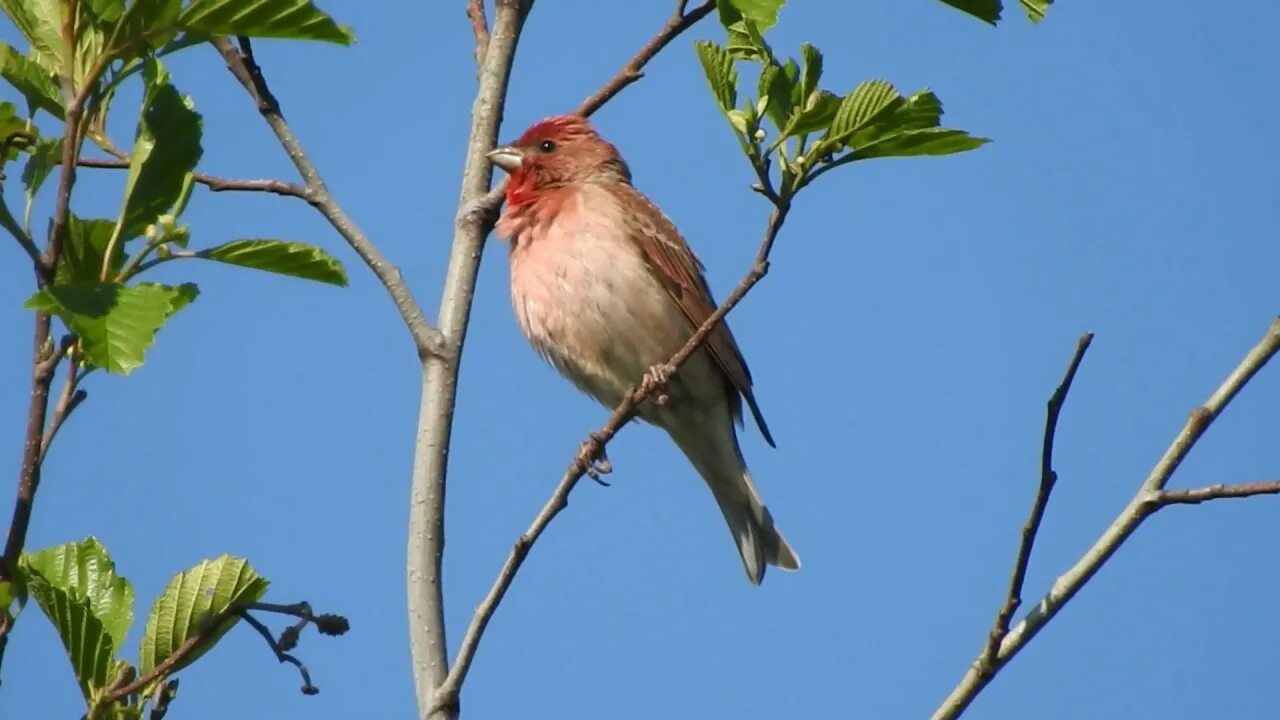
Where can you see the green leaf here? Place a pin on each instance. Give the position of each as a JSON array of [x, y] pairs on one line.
[[745, 38], [762, 13], [13, 131], [36, 84], [45, 156], [717, 63], [1036, 9], [778, 84], [40, 22], [116, 324], [82, 252], [192, 599], [870, 101], [932, 141], [279, 256], [921, 111], [987, 11], [89, 605], [812, 69], [295, 19], [817, 114], [166, 149], [106, 11], [147, 24]]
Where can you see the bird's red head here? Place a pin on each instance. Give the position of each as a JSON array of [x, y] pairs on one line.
[[555, 152]]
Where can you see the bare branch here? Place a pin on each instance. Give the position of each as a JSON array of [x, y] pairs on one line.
[[213, 182], [480, 28], [633, 70], [426, 338], [1195, 496], [592, 449], [1150, 497], [1048, 478]]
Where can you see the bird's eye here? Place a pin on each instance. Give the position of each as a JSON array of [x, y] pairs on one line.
[[547, 146]]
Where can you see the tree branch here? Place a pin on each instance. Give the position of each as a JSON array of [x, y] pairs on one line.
[[440, 379], [1151, 497], [590, 451], [633, 70], [1195, 496], [480, 28], [213, 182], [42, 351], [1048, 478], [427, 339]]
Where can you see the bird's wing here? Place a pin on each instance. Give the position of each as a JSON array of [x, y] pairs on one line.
[[682, 274]]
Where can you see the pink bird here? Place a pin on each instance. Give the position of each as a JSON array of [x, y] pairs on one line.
[[604, 287]]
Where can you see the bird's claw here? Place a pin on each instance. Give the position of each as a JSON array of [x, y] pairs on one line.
[[595, 463], [656, 378]]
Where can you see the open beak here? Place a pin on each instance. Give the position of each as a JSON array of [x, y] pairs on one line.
[[508, 158]]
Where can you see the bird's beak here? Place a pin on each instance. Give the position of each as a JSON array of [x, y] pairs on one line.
[[508, 158]]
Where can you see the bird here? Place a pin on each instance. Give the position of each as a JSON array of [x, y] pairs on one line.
[[605, 288]]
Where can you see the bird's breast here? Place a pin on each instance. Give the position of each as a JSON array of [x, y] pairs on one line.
[[589, 303]]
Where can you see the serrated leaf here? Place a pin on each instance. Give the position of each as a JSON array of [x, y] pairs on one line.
[[166, 149], [868, 102], [44, 157], [295, 19], [83, 249], [116, 324], [86, 570], [40, 22], [91, 607], [717, 64], [987, 11], [280, 256], [921, 111], [36, 84], [932, 141], [192, 599], [1036, 9]]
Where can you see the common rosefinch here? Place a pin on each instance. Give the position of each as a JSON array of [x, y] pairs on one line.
[[605, 288]]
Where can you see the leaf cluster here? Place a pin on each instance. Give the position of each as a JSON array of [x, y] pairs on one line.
[[793, 123]]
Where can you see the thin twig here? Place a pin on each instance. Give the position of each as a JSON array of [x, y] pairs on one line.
[[426, 338], [164, 667], [69, 399], [213, 182], [480, 28], [633, 70], [1048, 478], [592, 449], [281, 655], [1151, 497], [1195, 496]]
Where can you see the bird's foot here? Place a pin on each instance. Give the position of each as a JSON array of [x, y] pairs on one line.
[[656, 379], [595, 461]]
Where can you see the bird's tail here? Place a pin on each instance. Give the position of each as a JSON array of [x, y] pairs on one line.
[[759, 542]]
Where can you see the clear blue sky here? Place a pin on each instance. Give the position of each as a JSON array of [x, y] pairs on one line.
[[918, 314]]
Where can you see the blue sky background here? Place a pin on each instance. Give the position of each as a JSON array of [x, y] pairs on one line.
[[918, 314]]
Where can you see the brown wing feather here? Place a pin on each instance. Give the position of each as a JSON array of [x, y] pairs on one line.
[[682, 273]]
